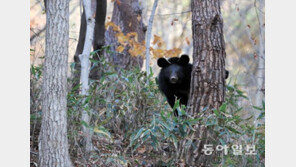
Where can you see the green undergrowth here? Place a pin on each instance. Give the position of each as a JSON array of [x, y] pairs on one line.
[[132, 123]]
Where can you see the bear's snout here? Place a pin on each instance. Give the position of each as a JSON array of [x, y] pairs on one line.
[[174, 79]]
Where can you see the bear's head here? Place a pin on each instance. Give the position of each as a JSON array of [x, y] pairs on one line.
[[175, 69]]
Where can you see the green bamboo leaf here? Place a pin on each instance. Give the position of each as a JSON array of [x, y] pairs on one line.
[[232, 129], [103, 131], [138, 134], [216, 112], [175, 141], [223, 107]]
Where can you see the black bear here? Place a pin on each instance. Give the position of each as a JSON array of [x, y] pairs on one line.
[[174, 79]]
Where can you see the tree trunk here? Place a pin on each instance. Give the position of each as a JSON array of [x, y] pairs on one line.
[[99, 35], [99, 9], [260, 70], [85, 67], [149, 28], [81, 38], [79, 49], [127, 14], [207, 83], [261, 58], [53, 141]]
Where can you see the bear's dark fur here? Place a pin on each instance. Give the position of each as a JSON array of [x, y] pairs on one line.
[[175, 77]]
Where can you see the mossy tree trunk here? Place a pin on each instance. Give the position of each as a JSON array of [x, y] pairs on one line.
[[208, 76]]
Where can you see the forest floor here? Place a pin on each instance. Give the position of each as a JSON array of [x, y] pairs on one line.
[[111, 153]]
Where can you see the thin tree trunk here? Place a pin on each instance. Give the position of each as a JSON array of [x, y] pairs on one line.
[[79, 49], [81, 37], [99, 35], [85, 67], [207, 83], [149, 31], [99, 9], [53, 141], [260, 70], [261, 57], [128, 15], [82, 32]]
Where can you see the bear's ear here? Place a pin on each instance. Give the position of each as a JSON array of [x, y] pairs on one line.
[[226, 74], [162, 62], [184, 60]]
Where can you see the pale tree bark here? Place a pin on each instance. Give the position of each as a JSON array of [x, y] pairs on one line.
[[261, 57], [53, 141], [149, 31], [85, 67], [82, 32], [208, 76], [128, 15], [260, 69], [98, 8]]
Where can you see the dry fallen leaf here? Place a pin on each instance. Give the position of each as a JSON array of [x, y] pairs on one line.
[[157, 40], [137, 49], [175, 52], [157, 53], [122, 39], [120, 49], [114, 26], [187, 41], [141, 150]]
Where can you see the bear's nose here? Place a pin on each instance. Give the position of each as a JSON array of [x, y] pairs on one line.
[[174, 79]]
